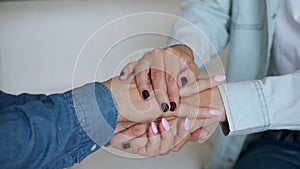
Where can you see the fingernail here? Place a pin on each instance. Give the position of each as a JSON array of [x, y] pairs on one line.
[[183, 81], [154, 128], [145, 94], [107, 144], [187, 124], [204, 134], [205, 137], [164, 107], [165, 124], [220, 78], [215, 112], [126, 146], [173, 106], [122, 73]]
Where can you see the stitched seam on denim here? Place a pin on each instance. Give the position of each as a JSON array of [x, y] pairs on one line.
[[225, 99], [257, 87], [81, 118], [115, 107], [262, 103], [266, 111]]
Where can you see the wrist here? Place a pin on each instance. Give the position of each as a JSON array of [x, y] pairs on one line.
[[109, 86]]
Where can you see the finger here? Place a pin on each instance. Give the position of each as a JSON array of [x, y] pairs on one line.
[[154, 141], [128, 134], [201, 85], [158, 79], [124, 125], [127, 70], [195, 124], [189, 75], [172, 70], [142, 78], [133, 145], [167, 137], [198, 135], [182, 135], [193, 112]]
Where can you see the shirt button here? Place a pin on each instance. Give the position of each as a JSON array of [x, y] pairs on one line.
[[274, 16], [93, 147]]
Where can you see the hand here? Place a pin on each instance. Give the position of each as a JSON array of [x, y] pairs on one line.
[[208, 98], [136, 139], [132, 108], [168, 69], [150, 140]]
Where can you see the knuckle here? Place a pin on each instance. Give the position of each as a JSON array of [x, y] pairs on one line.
[[175, 149], [157, 75], [125, 125], [156, 51], [170, 50], [136, 131], [169, 78]]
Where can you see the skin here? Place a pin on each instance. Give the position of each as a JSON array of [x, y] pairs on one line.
[[136, 130], [196, 96], [133, 108], [165, 68]]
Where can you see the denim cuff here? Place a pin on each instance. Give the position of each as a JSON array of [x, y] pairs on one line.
[[245, 106], [96, 110]]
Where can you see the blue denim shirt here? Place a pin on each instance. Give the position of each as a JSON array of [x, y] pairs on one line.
[[40, 131]]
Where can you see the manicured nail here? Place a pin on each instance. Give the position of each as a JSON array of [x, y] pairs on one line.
[[187, 124], [164, 107], [126, 146], [206, 137], [220, 78], [154, 128], [173, 106], [107, 144], [165, 124], [122, 73], [183, 81], [215, 112], [145, 94]]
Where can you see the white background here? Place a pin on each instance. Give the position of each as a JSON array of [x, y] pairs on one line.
[[39, 44]]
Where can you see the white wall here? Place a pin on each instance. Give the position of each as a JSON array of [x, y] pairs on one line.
[[40, 41]]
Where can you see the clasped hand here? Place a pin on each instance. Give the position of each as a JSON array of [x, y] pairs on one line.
[[162, 105]]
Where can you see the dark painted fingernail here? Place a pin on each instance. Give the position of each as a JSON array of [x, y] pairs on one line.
[[122, 73], [145, 94], [183, 81], [107, 144], [126, 146], [173, 106], [164, 107]]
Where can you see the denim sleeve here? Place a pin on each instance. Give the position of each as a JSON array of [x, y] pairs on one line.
[[55, 131]]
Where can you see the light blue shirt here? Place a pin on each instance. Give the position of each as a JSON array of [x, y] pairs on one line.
[[254, 101]]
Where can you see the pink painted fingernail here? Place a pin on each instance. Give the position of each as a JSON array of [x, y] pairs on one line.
[[154, 128], [220, 78], [215, 112], [187, 124], [165, 124]]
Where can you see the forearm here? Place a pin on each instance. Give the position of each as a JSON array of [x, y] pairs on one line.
[[56, 130]]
